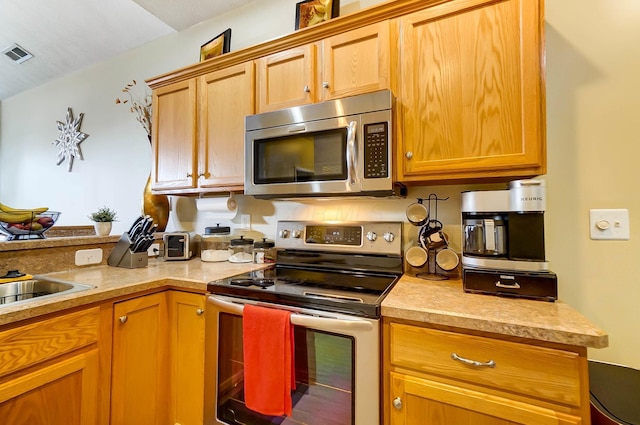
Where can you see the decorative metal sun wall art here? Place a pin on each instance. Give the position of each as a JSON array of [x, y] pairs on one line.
[[69, 139]]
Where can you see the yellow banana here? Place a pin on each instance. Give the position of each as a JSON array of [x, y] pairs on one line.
[[9, 209], [13, 218]]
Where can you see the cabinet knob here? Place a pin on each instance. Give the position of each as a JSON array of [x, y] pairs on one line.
[[200, 312], [397, 403], [307, 89], [189, 175], [409, 155], [122, 319], [325, 84], [201, 175]]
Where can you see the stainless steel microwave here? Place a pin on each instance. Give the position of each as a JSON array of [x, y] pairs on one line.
[[339, 147]]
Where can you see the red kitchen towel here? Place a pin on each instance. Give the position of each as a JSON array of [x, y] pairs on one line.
[[268, 360]]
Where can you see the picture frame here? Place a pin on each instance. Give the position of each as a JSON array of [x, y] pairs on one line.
[[217, 46], [312, 12]]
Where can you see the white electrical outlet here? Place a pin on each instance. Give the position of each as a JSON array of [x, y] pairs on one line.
[[154, 250], [88, 256], [609, 224], [245, 221]]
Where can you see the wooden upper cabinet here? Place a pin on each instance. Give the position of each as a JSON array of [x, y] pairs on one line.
[[287, 78], [174, 136], [346, 64], [225, 98], [356, 62], [471, 103]]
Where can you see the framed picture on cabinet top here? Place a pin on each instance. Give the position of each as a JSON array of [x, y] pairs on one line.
[[216, 46], [311, 12]]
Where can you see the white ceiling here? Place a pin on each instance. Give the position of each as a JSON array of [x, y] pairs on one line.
[[67, 35]]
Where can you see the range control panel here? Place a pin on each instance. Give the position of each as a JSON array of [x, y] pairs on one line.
[[377, 237]]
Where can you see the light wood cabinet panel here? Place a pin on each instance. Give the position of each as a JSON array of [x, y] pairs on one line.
[[287, 79], [420, 401], [347, 64], [30, 344], [471, 103], [63, 392], [139, 378], [539, 372], [356, 62], [186, 346], [174, 136], [488, 381], [225, 98]]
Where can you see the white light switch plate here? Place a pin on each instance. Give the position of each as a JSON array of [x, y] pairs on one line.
[[609, 224]]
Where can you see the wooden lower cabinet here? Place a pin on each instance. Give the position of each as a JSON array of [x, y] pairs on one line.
[[186, 350], [157, 374], [430, 379], [49, 371], [140, 361]]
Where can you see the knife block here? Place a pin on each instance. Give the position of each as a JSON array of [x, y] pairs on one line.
[[122, 256]]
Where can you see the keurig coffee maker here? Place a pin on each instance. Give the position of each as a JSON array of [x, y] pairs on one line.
[[503, 242]]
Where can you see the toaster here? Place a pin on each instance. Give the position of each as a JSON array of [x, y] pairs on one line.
[[177, 246]]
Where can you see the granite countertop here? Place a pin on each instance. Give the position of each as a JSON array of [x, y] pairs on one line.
[[446, 303], [415, 299], [111, 282]]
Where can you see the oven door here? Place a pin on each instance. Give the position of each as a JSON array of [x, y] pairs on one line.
[[337, 368]]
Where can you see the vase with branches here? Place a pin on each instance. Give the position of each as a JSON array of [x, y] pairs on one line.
[[154, 205]]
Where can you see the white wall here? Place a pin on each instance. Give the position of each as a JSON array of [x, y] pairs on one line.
[[593, 101]]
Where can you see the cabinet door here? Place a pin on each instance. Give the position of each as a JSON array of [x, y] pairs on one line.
[[138, 390], [287, 78], [417, 401], [186, 342], [64, 392], [356, 62], [471, 102], [225, 98], [174, 136]]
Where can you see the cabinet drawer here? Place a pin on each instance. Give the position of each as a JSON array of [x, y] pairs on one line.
[[539, 372], [27, 345]]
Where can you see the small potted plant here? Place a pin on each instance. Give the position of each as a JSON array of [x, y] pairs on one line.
[[103, 219]]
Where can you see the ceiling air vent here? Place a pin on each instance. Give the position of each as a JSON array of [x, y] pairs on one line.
[[17, 53]]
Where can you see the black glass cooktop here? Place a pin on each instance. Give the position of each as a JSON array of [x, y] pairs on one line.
[[331, 286]]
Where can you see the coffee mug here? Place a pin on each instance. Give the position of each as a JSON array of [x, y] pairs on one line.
[[447, 259], [433, 237], [416, 256], [417, 213]]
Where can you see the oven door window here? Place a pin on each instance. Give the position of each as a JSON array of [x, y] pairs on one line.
[[317, 156], [324, 369]]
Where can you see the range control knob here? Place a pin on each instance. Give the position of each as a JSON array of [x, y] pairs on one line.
[[372, 236], [388, 236], [284, 233], [296, 234]]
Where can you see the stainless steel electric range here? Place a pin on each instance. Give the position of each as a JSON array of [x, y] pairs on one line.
[[333, 277]]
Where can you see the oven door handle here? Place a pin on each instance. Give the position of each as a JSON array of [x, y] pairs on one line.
[[300, 319]]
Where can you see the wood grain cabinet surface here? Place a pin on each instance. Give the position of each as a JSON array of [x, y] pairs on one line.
[[471, 99], [445, 377], [347, 64], [49, 371], [198, 131]]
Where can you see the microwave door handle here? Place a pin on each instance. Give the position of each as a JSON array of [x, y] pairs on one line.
[[351, 152], [299, 319]]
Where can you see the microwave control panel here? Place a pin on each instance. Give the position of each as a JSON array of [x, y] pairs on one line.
[[376, 150]]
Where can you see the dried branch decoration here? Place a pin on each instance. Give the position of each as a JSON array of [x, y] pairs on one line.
[[140, 106]]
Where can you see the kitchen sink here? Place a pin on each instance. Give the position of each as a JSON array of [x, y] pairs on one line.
[[26, 290]]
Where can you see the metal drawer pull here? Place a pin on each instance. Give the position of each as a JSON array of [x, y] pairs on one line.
[[200, 312], [456, 357], [122, 319]]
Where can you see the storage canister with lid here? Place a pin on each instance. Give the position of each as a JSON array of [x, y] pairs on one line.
[[242, 250], [216, 244], [264, 251]]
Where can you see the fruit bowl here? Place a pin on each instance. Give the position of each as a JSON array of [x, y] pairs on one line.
[[28, 225]]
